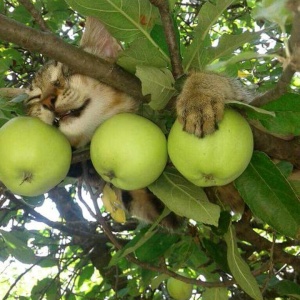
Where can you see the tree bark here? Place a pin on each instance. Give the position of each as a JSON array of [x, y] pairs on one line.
[[78, 60]]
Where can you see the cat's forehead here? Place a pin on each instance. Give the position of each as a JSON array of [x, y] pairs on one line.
[[50, 72]]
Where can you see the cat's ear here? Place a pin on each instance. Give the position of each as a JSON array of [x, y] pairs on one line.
[[97, 40]]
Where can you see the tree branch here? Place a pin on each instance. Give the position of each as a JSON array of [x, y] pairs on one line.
[[78, 60], [276, 147], [293, 62], [170, 36], [245, 232], [35, 13]]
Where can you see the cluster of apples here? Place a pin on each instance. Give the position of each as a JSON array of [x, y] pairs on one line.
[[127, 150]]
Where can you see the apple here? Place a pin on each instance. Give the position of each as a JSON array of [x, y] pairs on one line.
[[129, 151], [216, 159], [35, 156], [178, 289]]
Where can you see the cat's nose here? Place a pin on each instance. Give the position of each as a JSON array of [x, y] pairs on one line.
[[49, 102]]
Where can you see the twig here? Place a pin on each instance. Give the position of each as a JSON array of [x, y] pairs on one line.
[[18, 279], [280, 89], [98, 215], [170, 36], [36, 14], [40, 218], [80, 197], [271, 265]]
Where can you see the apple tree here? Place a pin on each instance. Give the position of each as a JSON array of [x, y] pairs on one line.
[[238, 241]]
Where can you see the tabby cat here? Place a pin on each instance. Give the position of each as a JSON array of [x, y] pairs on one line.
[[77, 104]]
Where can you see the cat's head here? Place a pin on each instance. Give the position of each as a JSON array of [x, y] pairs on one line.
[[75, 103]]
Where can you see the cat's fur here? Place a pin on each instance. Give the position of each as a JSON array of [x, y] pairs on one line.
[[78, 104]]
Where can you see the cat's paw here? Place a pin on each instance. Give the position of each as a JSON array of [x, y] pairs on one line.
[[200, 113]]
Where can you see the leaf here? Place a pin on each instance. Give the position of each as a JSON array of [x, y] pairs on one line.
[[17, 246], [238, 267], [272, 10], [142, 53], [215, 294], [126, 20], [269, 195], [158, 243], [184, 198], [229, 43], [131, 246], [208, 16], [287, 109], [234, 59], [288, 288], [159, 83], [48, 287], [146, 239], [218, 252], [248, 107], [85, 274]]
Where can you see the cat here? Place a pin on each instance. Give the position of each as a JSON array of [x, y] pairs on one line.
[[78, 104]]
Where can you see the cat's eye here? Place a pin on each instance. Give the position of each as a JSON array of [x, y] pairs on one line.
[[57, 83], [65, 71]]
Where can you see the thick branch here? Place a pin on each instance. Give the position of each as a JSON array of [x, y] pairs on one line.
[[78, 60], [276, 147]]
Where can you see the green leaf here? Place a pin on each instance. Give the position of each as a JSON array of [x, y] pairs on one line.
[[272, 10], [184, 198], [269, 195], [85, 274], [224, 222], [17, 246], [287, 110], [128, 21], [159, 244], [159, 83], [288, 288], [187, 252], [234, 59], [48, 287], [296, 186], [131, 246], [142, 52], [125, 19], [215, 294], [218, 252], [228, 44], [250, 108], [207, 18], [239, 268], [285, 167]]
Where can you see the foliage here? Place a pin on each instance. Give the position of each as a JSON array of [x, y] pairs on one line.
[[242, 240]]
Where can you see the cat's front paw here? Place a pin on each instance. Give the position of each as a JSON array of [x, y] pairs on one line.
[[200, 113]]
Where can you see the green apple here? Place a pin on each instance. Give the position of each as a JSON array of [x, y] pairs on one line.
[[178, 289], [216, 159], [35, 156], [129, 151]]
